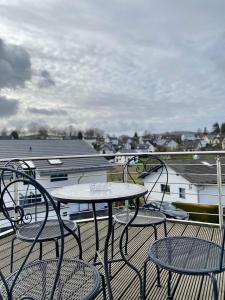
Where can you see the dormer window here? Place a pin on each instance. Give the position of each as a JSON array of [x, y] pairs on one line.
[[55, 161]]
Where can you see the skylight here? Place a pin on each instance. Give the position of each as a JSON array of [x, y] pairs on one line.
[[206, 163], [55, 161], [28, 164]]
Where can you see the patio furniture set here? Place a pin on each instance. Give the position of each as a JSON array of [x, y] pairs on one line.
[[69, 278]]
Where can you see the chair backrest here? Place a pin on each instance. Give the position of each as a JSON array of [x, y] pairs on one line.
[[19, 197], [11, 179], [152, 165], [127, 175]]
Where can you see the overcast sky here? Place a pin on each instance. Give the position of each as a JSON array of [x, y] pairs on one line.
[[122, 65]]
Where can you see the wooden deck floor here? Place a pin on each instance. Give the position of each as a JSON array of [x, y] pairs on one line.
[[124, 282]]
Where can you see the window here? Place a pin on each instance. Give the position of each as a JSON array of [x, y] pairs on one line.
[[29, 200], [55, 161], [165, 188], [59, 177], [182, 193]]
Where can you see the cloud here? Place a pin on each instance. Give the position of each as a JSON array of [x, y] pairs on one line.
[[46, 111], [46, 81], [15, 65], [8, 107], [154, 65]]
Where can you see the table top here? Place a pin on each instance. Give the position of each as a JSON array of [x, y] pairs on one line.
[[98, 192]]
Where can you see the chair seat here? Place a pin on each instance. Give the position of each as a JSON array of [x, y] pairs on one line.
[[187, 255], [51, 230], [145, 217], [78, 280]]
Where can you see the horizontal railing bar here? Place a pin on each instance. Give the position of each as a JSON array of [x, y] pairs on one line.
[[194, 222], [221, 152]]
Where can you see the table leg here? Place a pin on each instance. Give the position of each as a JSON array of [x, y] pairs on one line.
[[121, 247], [96, 232], [106, 248]]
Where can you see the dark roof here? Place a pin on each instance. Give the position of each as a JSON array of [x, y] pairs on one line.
[[124, 151], [44, 148], [142, 146], [197, 171]]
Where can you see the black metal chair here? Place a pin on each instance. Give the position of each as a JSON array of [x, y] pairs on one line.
[[188, 256], [57, 278], [26, 230], [145, 217]]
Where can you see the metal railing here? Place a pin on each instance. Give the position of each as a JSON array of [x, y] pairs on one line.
[[107, 171]]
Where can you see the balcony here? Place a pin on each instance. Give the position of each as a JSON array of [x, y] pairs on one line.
[[204, 224]]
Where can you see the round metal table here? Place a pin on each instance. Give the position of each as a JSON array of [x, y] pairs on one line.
[[104, 193]]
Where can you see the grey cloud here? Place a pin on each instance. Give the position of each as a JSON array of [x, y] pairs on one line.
[[15, 65], [155, 65], [8, 107], [46, 111], [46, 80]]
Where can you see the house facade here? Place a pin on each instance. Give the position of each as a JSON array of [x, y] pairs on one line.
[[188, 136], [54, 173], [191, 181], [121, 159]]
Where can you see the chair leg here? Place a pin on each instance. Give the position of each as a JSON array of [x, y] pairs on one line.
[[40, 252], [126, 242], [157, 267], [215, 287], [103, 287], [12, 252], [155, 232], [165, 229], [112, 248], [169, 295], [56, 248], [78, 232], [145, 278], [158, 276], [112, 244], [77, 238]]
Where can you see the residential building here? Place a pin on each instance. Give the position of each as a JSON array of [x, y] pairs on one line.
[[188, 136], [122, 159], [111, 139], [53, 173], [142, 148], [190, 181], [107, 149], [170, 144]]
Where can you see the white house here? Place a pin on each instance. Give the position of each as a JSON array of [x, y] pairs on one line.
[[107, 149], [54, 173], [111, 139], [188, 136], [190, 181], [160, 141], [151, 147], [171, 144], [122, 159]]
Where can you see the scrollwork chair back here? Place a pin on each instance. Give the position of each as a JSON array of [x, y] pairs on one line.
[[153, 164], [12, 178]]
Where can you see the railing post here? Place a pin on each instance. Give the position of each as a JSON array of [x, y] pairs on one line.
[[125, 180], [219, 185]]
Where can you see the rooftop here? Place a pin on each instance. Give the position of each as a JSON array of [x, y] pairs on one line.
[[124, 283], [44, 148], [197, 171]]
